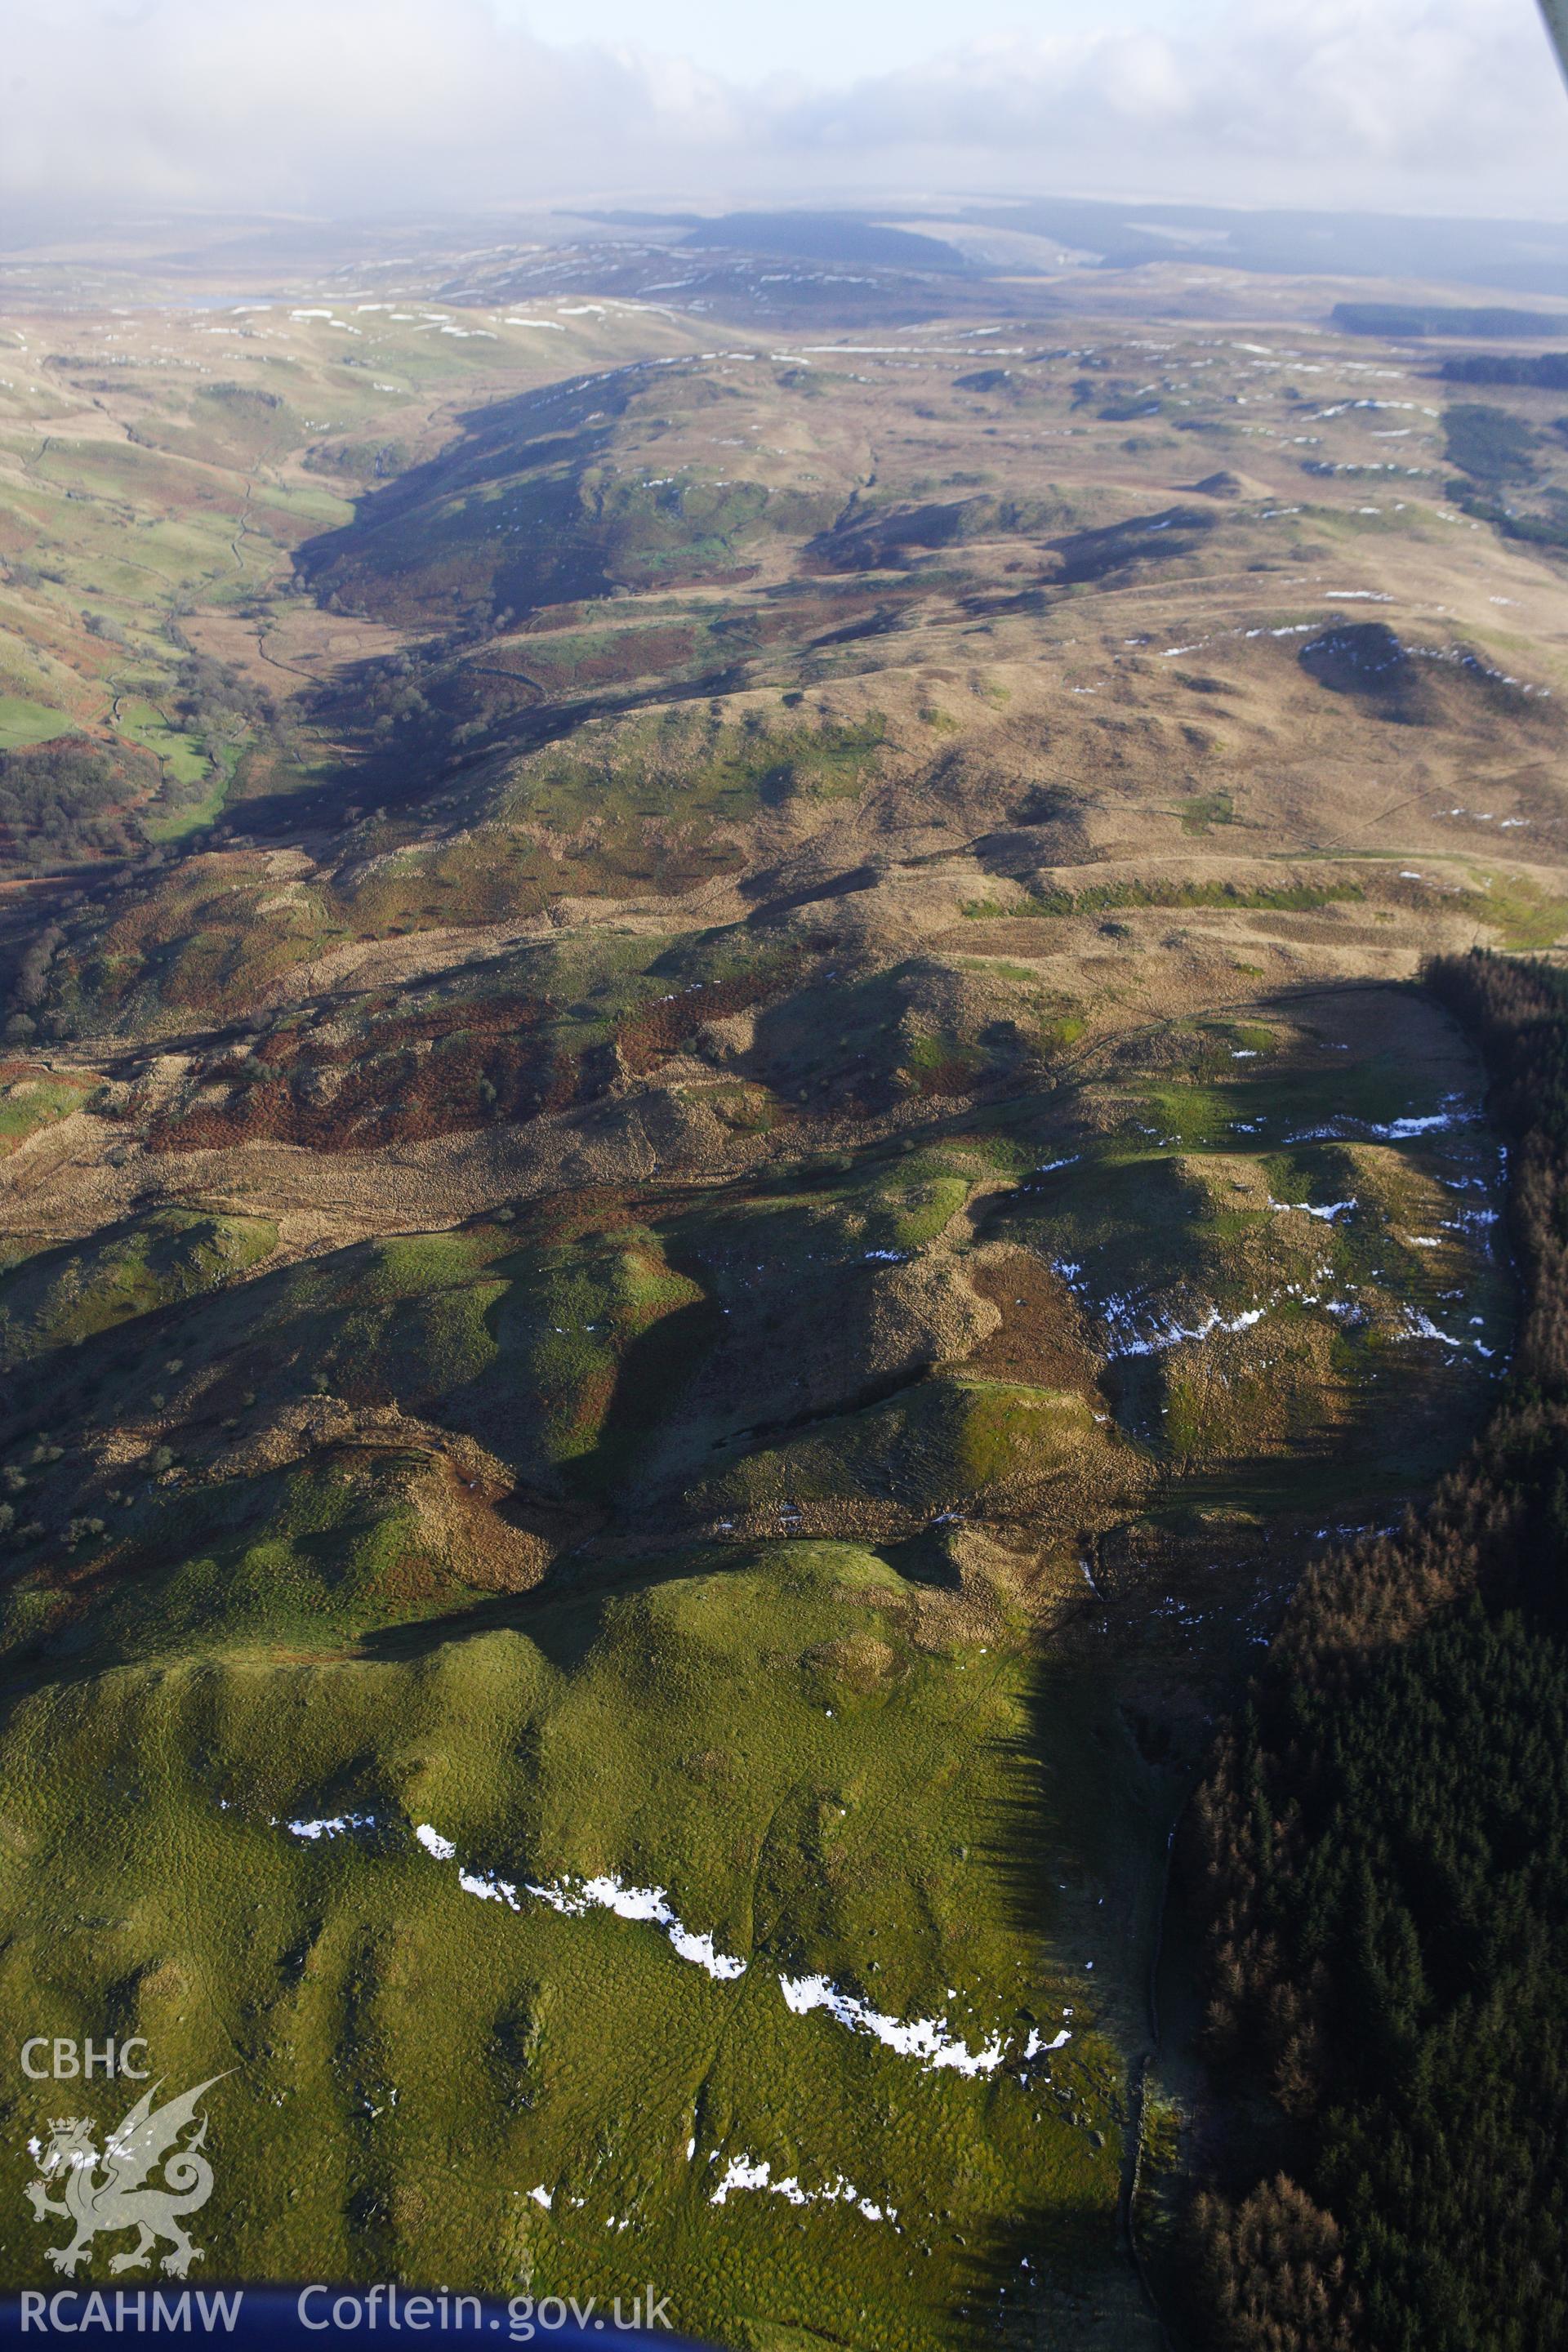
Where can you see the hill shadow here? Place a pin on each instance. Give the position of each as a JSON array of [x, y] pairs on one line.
[[1049, 2265]]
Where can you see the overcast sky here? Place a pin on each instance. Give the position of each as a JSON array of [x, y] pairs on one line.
[[406, 106], [825, 40]]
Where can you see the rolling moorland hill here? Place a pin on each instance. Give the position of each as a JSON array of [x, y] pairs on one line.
[[720, 1151]]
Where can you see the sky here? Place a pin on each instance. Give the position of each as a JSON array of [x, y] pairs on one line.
[[402, 107], [826, 39]]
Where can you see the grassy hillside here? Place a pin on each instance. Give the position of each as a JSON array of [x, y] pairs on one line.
[[710, 1545]]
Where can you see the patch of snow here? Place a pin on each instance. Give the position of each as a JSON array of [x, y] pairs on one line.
[[488, 1890], [925, 2038], [1176, 1335], [741, 2172], [1437, 1122], [1418, 1325], [435, 1843], [641, 1903], [337, 1825]]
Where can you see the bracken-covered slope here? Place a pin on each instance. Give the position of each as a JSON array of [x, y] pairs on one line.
[[718, 1151]]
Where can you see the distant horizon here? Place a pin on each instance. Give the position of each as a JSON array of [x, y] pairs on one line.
[[997, 239]]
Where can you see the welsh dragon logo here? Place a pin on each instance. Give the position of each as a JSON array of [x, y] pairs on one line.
[[102, 2194]]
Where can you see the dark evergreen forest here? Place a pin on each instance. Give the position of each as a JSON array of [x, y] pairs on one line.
[[1379, 1857]]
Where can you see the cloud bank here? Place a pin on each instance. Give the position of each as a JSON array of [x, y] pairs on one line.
[[395, 107]]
